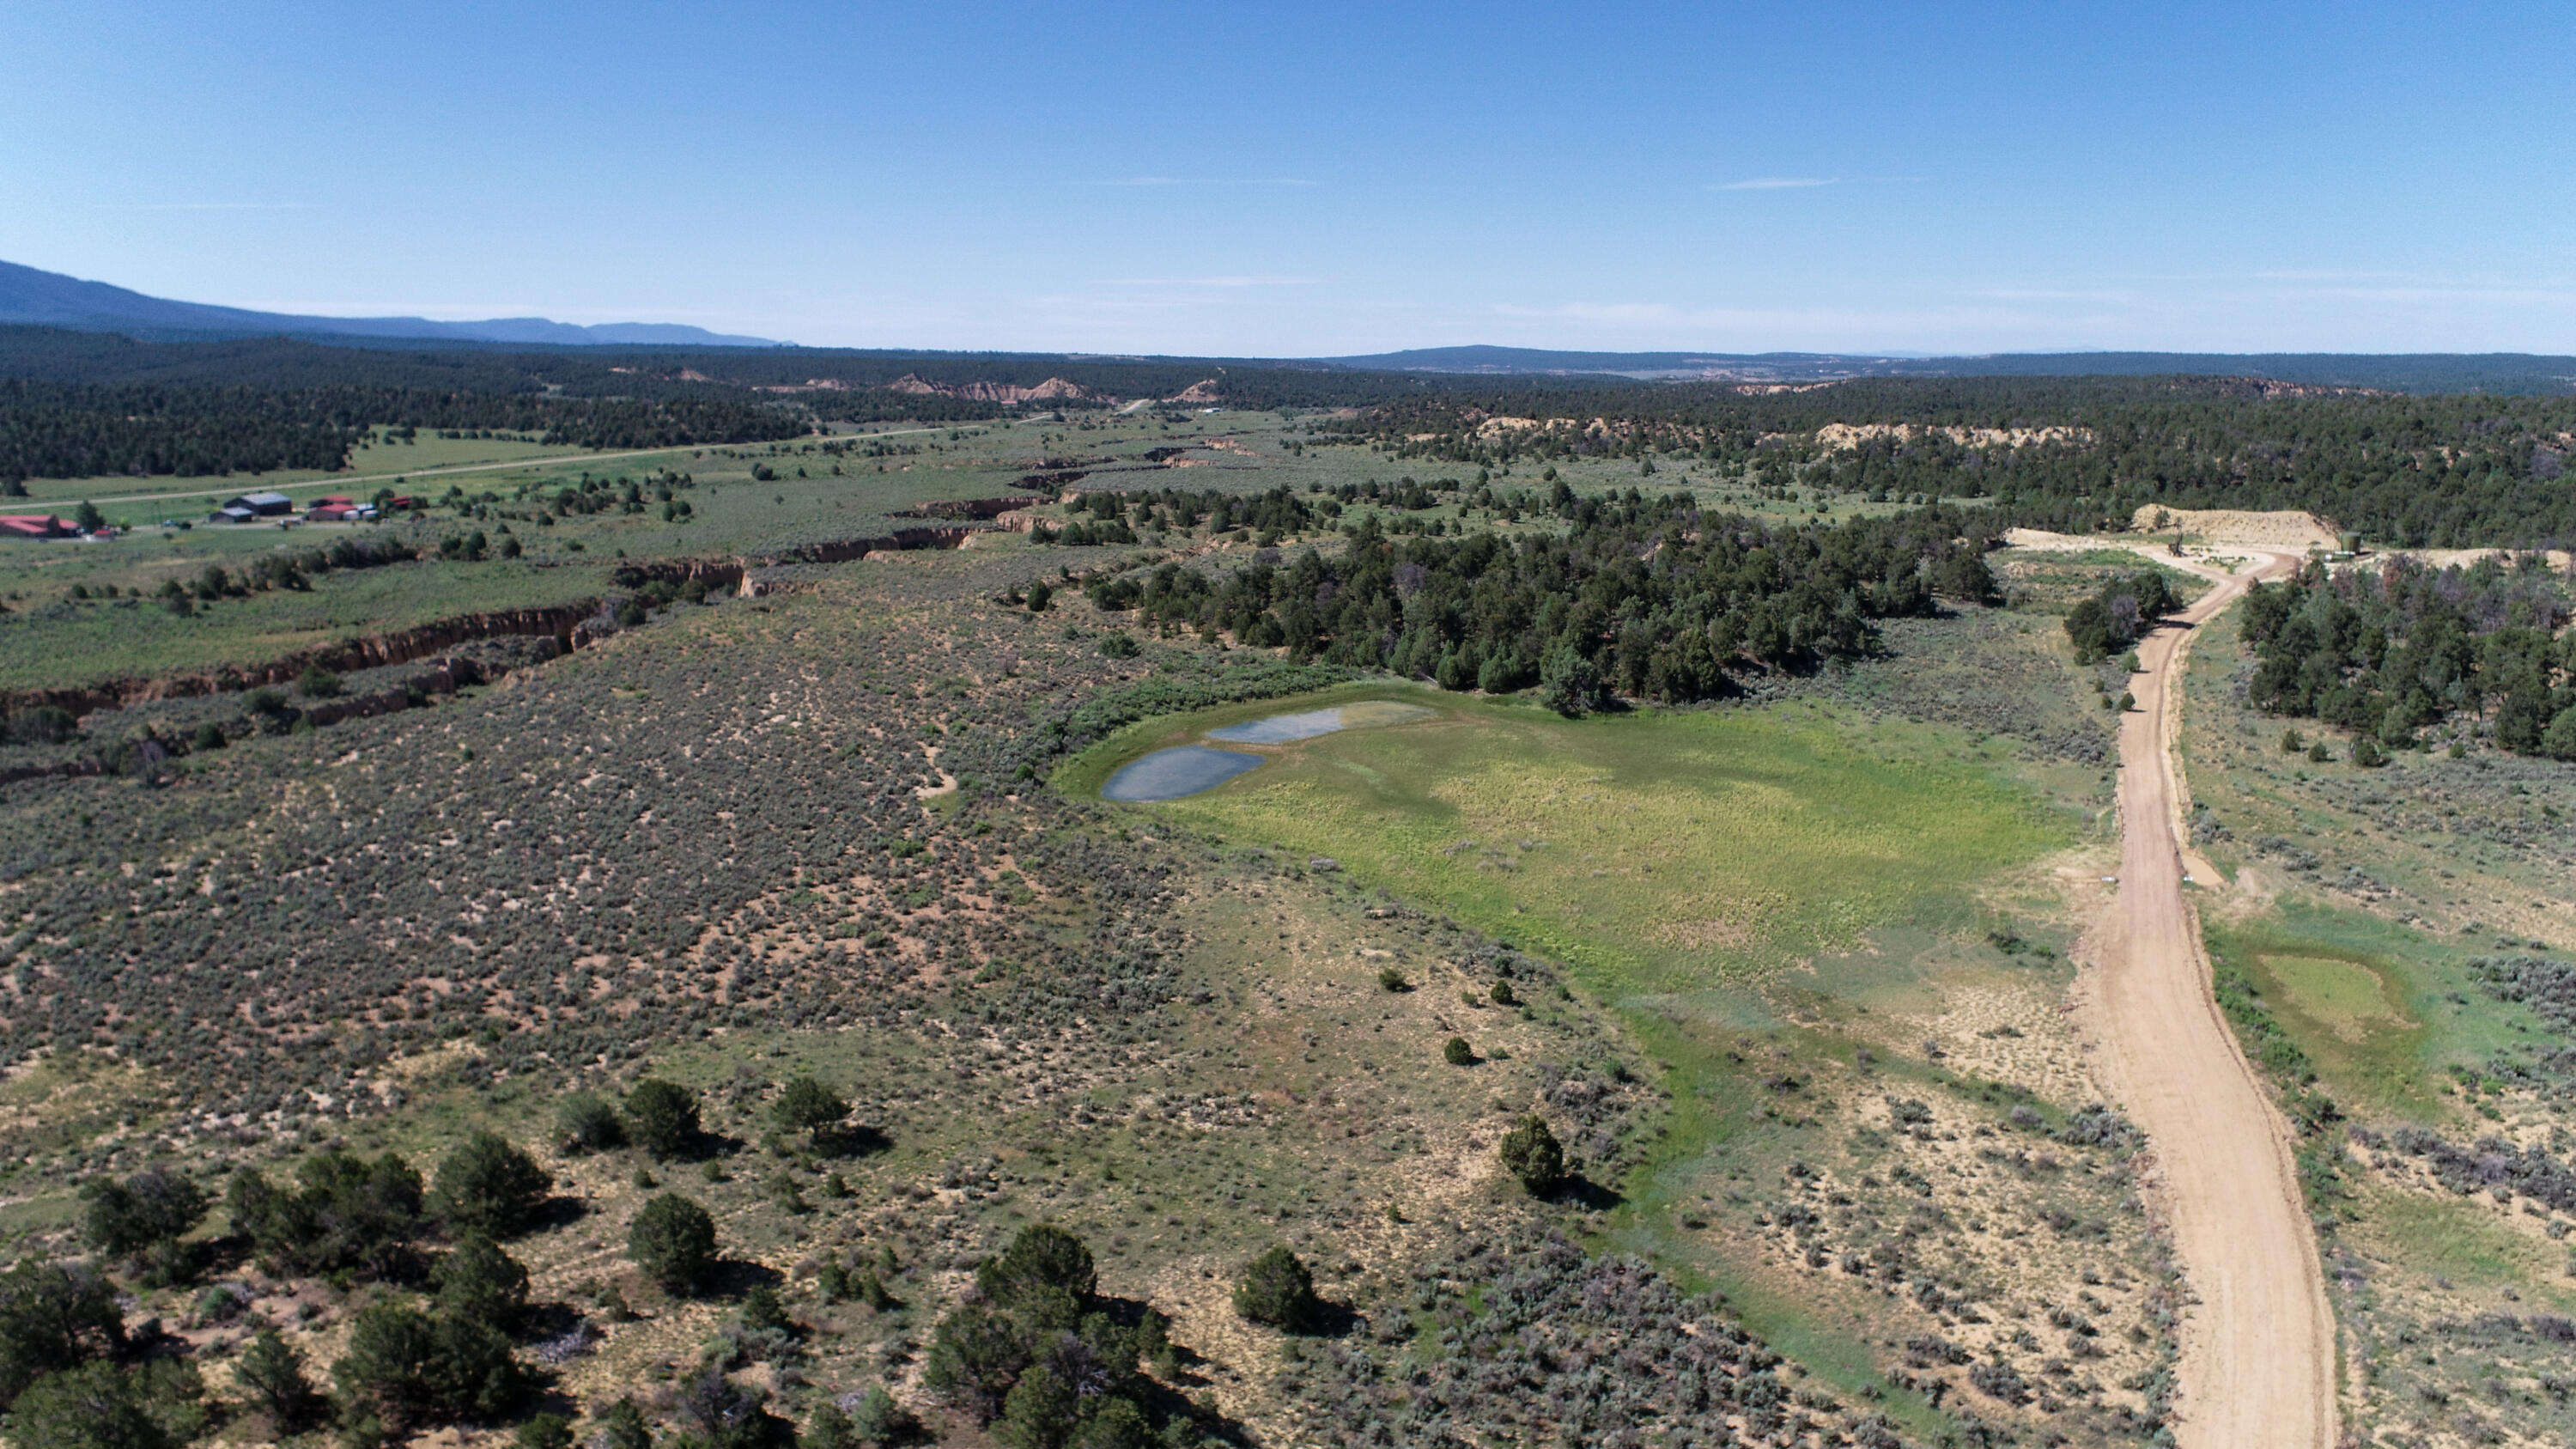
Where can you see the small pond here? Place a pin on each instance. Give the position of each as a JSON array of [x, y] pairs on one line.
[[1173, 773], [1189, 769], [1279, 729]]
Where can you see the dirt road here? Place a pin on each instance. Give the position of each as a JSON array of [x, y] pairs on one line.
[[2258, 1347]]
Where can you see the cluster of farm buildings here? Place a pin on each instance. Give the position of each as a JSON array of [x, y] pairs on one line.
[[247, 508], [331, 508]]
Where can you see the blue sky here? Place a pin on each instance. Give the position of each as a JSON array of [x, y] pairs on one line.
[[1320, 179]]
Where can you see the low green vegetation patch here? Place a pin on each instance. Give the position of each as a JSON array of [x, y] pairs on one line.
[[1677, 860], [2375, 1015], [2347, 998], [1664, 848]]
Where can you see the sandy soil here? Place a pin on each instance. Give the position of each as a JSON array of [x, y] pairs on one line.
[[1840, 436], [2237, 526], [2258, 1347]]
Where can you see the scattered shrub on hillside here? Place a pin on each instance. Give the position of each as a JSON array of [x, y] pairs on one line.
[[43, 725], [806, 1105], [1531, 1153], [344, 1213], [405, 1369], [1277, 1290], [673, 1241], [158, 1404], [662, 1117], [2119, 614], [490, 1185], [585, 1122], [54, 1316], [141, 1220], [481, 1282], [622, 1426], [1040, 1354], [271, 1377]]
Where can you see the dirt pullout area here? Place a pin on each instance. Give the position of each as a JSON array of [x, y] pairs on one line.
[[2258, 1350], [2223, 526]]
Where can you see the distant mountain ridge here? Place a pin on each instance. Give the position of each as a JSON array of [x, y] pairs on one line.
[[51, 299], [31, 297], [1535, 361], [2511, 372]]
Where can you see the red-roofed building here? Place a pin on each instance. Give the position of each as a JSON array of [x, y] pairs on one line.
[[33, 525]]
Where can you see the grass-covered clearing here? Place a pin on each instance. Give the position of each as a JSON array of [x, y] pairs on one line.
[[1662, 851], [1753, 889]]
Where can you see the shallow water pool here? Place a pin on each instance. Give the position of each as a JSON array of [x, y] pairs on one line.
[[1189, 769], [1173, 773], [1279, 729]]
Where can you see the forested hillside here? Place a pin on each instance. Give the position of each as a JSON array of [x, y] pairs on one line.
[[2406, 648], [1645, 596], [78, 404], [70, 430], [2071, 453], [2455, 471], [54, 355]]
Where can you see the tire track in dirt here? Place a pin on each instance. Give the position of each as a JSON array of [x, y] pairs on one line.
[[2258, 1345]]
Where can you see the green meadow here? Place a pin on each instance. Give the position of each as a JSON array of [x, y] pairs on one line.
[[1711, 875], [1655, 851], [2387, 1016], [76, 613]]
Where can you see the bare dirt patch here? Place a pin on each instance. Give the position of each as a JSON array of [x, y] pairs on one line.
[[2220, 526]]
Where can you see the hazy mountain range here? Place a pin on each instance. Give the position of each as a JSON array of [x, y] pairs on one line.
[[51, 299], [2515, 372], [29, 296]]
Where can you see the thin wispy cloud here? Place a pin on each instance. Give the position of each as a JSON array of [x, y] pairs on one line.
[[1204, 181], [1779, 183], [209, 206], [2058, 294], [1753, 329], [1260, 279], [452, 311]]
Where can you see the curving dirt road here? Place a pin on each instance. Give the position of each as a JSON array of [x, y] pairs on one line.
[[2258, 1349]]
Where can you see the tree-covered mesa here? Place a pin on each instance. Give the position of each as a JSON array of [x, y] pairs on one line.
[[1647, 596], [2398, 650], [2459, 471], [80, 430]]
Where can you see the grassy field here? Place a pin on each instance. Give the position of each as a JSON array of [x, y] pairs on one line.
[[2385, 1015], [1662, 851], [126, 498], [56, 631], [1781, 903], [1735, 962], [67, 642]]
